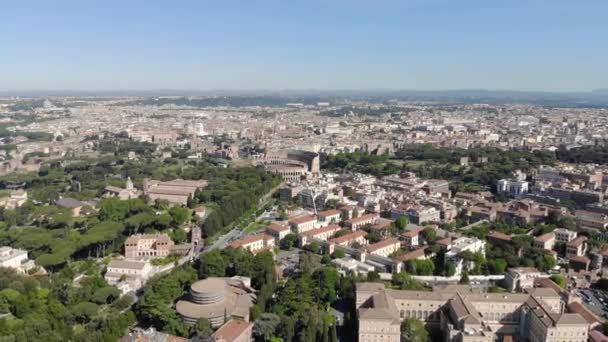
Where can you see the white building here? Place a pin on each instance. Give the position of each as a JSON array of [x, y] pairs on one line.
[[128, 275], [513, 188], [15, 258], [563, 235]]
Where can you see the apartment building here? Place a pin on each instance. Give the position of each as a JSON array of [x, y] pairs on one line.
[[329, 216], [384, 248], [576, 247], [563, 235], [412, 236], [278, 231], [520, 278], [545, 241], [255, 244], [424, 214], [514, 188], [16, 259], [323, 233], [462, 314], [361, 221], [591, 220], [302, 224], [349, 240]]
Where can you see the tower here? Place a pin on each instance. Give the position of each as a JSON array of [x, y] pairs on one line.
[[129, 184]]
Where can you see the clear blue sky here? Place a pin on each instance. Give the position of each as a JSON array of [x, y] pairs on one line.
[[297, 44]]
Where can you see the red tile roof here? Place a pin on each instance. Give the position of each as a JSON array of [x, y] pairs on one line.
[[302, 219], [277, 227], [349, 237], [321, 230], [381, 244], [250, 239], [232, 330]]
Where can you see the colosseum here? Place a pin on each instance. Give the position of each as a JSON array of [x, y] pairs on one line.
[[293, 165]]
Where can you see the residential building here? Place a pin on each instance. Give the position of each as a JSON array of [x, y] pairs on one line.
[[518, 279], [302, 224], [361, 221], [420, 215], [576, 247], [323, 233], [128, 275], [411, 238], [234, 330], [15, 199], [384, 248], [329, 216], [350, 240], [545, 241], [278, 231], [255, 244], [16, 259], [514, 188], [563, 235], [591, 220]]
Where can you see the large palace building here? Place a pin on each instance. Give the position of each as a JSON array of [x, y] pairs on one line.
[[465, 315]]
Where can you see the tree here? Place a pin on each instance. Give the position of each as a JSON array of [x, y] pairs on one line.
[[203, 328], [404, 281], [568, 223], [450, 269], [464, 279], [265, 326], [179, 215], [429, 234], [413, 330], [497, 266], [314, 247], [179, 235], [289, 241], [212, 264], [401, 223], [559, 280], [337, 254]]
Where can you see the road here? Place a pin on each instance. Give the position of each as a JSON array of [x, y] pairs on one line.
[[594, 300]]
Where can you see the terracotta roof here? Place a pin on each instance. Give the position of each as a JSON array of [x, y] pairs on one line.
[[545, 237], [362, 218], [381, 244], [576, 307], [302, 219], [382, 225], [412, 255], [413, 232], [349, 237], [250, 239], [321, 230], [581, 259], [329, 212], [277, 227], [500, 236], [232, 330], [578, 241]]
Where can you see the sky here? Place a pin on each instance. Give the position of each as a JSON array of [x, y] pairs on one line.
[[547, 45]]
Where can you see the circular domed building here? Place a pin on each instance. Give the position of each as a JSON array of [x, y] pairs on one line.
[[216, 299]]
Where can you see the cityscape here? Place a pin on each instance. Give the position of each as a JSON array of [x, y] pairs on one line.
[[332, 171]]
